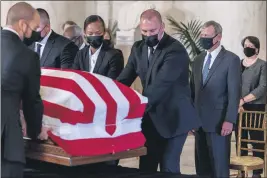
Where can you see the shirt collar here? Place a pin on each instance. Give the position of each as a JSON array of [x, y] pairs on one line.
[[43, 42], [97, 51], [12, 30]]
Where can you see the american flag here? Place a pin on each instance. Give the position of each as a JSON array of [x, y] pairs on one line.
[[91, 114]]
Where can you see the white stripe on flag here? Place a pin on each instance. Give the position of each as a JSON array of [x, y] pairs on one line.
[[61, 97], [84, 131], [101, 107], [122, 102]]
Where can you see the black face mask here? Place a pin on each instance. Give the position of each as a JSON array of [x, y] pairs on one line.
[[151, 41], [94, 41], [249, 51], [36, 36], [207, 43]]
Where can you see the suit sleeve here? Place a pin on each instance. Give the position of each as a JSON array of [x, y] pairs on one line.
[[67, 56], [234, 88], [31, 100], [116, 65], [261, 89], [128, 74], [76, 63], [175, 61], [192, 82]]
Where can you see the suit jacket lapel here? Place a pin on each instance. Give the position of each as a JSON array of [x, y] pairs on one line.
[[48, 46], [199, 69], [215, 64], [85, 59], [157, 52], [144, 59], [32, 47], [99, 60]]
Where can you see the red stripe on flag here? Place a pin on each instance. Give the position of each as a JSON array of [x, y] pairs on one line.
[[100, 146], [136, 108], [65, 115], [61, 112], [110, 102]]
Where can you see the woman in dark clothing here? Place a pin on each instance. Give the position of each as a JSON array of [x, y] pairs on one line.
[[253, 92], [98, 57]]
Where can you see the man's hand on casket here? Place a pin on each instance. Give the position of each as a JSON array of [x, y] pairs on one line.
[[43, 135]]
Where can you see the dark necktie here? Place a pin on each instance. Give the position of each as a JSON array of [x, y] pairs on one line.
[[38, 49], [151, 55], [206, 69]]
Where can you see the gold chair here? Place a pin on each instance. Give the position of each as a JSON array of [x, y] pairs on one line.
[[249, 163]]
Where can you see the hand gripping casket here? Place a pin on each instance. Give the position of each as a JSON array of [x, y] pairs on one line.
[[91, 114]]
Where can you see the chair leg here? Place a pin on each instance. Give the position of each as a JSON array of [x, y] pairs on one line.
[[246, 173], [240, 175]]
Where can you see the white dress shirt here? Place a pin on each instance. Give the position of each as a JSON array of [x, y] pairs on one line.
[[214, 54], [10, 29], [93, 58], [42, 43]]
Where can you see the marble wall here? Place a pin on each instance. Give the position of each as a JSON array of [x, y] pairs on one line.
[[238, 18]]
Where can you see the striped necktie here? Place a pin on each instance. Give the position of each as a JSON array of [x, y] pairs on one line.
[[38, 49]]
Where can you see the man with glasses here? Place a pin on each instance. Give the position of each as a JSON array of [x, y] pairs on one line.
[[75, 34], [215, 85], [54, 50]]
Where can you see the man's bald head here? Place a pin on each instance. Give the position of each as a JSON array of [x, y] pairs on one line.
[[150, 14], [20, 11], [45, 19], [151, 25], [23, 18]]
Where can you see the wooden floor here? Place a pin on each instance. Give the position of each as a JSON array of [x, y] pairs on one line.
[[187, 158]]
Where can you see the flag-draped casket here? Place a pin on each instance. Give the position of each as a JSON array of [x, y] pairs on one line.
[[91, 114]]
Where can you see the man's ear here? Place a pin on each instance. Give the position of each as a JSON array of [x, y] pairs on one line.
[[48, 27], [163, 26], [219, 36]]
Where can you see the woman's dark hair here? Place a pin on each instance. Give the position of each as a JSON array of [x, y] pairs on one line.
[[92, 19], [252, 39], [111, 37]]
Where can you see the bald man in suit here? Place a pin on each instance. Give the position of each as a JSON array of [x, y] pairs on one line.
[[20, 83]]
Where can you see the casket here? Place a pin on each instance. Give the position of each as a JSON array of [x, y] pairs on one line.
[[92, 119], [50, 152]]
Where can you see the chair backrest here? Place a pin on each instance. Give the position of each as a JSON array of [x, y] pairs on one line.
[[256, 121]]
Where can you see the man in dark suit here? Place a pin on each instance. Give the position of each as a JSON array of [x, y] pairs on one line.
[[54, 50], [162, 64], [20, 82], [215, 86]]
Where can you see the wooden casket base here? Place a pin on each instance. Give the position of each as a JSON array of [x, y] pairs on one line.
[[49, 152]]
